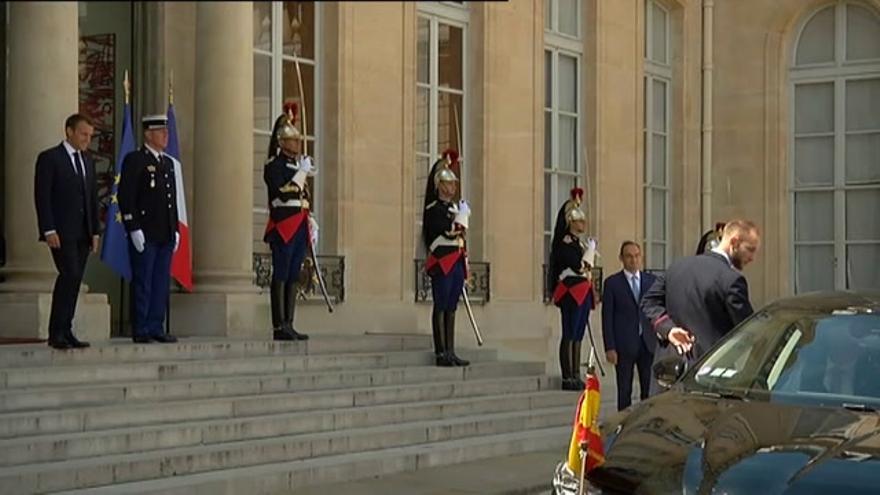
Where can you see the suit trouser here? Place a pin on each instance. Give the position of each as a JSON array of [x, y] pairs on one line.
[[624, 370], [70, 261], [150, 279]]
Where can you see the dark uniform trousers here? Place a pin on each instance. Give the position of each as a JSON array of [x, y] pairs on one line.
[[151, 276]]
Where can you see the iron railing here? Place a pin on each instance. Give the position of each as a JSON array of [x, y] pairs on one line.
[[332, 269], [598, 279], [478, 285]]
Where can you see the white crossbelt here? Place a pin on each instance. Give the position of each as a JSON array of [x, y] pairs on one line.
[[293, 203], [568, 272], [443, 241]]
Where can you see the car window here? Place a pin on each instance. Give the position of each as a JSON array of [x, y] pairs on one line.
[[803, 354]]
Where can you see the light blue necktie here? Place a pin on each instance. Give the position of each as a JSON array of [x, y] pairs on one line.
[[634, 286]]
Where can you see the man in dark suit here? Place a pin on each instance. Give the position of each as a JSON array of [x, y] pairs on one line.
[[66, 197], [148, 202], [628, 338], [701, 298]]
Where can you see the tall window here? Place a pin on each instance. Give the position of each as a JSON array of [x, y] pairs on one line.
[[835, 179], [284, 32], [658, 78], [563, 157], [440, 92]]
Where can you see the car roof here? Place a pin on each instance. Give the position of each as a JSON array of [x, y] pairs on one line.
[[828, 301]]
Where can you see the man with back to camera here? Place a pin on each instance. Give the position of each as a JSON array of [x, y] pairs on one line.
[[66, 197], [629, 341], [701, 298]]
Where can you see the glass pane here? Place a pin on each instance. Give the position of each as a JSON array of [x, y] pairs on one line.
[[863, 158], [564, 184], [290, 92], [658, 161], [423, 129], [547, 15], [449, 121], [298, 29], [814, 107], [657, 256], [863, 104], [816, 44], [814, 268], [261, 153], [424, 51], [568, 18], [263, 25], [862, 219], [567, 143], [548, 79], [548, 140], [658, 35], [423, 167], [814, 161], [263, 111], [567, 83], [658, 215], [451, 52], [549, 212], [862, 33], [659, 105], [814, 216], [861, 265]]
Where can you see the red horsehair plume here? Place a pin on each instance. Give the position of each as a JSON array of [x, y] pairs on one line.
[[451, 154], [577, 193], [291, 109]]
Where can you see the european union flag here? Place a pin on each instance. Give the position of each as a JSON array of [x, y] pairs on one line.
[[114, 252]]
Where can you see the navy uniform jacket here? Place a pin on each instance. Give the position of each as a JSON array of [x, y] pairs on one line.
[[439, 219], [63, 204], [702, 294], [621, 316], [278, 175], [577, 285], [147, 195]]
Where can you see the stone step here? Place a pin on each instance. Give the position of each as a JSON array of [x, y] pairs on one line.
[[286, 477], [29, 377], [117, 416], [121, 350], [59, 447], [164, 390], [97, 471]]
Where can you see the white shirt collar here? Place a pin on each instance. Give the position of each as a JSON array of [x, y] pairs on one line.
[[67, 146], [630, 275], [722, 253], [155, 153]]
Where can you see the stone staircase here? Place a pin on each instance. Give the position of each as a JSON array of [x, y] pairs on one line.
[[257, 417]]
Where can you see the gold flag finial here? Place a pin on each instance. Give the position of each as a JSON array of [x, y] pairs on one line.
[[171, 87], [126, 86]]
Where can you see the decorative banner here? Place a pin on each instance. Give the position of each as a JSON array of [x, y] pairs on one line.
[[97, 100]]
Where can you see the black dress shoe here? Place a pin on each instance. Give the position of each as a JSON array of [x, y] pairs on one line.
[[299, 336], [457, 361], [443, 360], [137, 339], [282, 335], [59, 344], [76, 343], [165, 338], [570, 384]]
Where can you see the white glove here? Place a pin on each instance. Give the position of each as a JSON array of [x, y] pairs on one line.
[[305, 164], [137, 238], [591, 243], [176, 241], [305, 169], [463, 215], [313, 231]]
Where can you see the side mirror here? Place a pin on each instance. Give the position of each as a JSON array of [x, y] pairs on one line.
[[669, 370]]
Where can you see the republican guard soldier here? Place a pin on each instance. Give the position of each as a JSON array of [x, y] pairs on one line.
[[147, 200]]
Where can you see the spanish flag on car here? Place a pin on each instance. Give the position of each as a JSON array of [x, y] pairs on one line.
[[585, 431]]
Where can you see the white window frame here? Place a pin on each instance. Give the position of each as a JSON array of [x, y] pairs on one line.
[[557, 43], [838, 72], [278, 57], [656, 71], [458, 16]]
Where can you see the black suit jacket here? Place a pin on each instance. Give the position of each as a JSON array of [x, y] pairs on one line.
[[58, 195], [621, 316], [702, 294]]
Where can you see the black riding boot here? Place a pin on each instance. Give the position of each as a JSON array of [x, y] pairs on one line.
[[450, 340], [576, 364], [565, 364], [441, 358], [290, 309], [276, 300]]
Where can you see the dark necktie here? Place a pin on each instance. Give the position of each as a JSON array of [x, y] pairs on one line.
[[80, 170]]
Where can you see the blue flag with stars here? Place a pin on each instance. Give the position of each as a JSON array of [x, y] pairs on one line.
[[114, 252]]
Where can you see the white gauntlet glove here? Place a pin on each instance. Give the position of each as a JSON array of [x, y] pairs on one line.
[[137, 238], [463, 215], [590, 254], [305, 169]]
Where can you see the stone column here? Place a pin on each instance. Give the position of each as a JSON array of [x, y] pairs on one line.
[[42, 91], [225, 301]]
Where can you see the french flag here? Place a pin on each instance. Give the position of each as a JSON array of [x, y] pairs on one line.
[[181, 262]]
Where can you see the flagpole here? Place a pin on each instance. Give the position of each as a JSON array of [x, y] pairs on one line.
[[126, 86], [170, 281]]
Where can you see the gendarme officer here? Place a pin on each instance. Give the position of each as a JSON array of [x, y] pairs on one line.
[[147, 200]]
